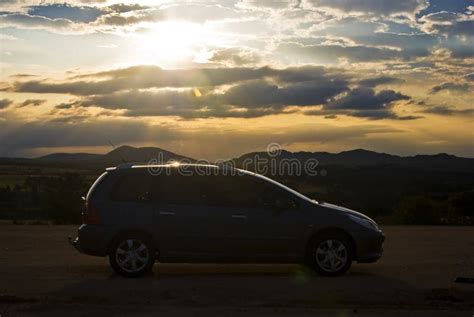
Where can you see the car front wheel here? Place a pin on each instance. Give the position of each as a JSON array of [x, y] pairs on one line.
[[330, 255], [132, 256]]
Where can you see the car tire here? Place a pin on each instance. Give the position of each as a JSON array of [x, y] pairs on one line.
[[330, 254], [132, 255]]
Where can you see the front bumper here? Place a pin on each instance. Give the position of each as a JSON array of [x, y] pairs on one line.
[[369, 247]]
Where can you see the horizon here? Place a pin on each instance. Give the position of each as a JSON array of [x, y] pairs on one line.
[[218, 78], [282, 149]]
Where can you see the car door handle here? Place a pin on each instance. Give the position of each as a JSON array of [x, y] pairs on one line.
[[167, 213], [239, 216]]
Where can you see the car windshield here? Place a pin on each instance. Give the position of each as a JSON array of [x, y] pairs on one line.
[[292, 191]]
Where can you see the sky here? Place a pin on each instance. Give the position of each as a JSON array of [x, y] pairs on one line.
[[219, 78]]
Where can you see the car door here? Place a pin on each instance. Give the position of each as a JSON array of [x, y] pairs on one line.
[[267, 223], [187, 225]]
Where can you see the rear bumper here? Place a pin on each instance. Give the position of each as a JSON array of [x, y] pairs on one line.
[[369, 247], [92, 240], [75, 243]]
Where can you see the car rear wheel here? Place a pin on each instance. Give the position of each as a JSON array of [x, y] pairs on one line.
[[132, 255], [330, 255]]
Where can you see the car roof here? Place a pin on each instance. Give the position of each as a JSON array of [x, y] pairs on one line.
[[221, 167], [168, 165]]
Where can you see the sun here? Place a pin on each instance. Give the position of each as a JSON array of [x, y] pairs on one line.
[[170, 43]]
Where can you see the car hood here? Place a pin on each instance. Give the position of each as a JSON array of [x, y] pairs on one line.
[[344, 210]]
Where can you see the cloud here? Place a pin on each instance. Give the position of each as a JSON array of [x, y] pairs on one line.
[[32, 22], [365, 102], [26, 138], [373, 7], [469, 77], [66, 11], [52, 134], [31, 102], [123, 7], [332, 53], [136, 17], [366, 99], [382, 80], [447, 111], [262, 93], [223, 92], [365, 32], [250, 99], [5, 103], [143, 77], [454, 87], [235, 57], [5, 37], [448, 23], [268, 4]]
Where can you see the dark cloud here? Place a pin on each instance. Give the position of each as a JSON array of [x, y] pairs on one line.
[[382, 80], [447, 111], [66, 11], [5, 103], [142, 77], [22, 75], [469, 77], [365, 102], [366, 99], [31, 102], [332, 53], [235, 57], [58, 134], [249, 99], [307, 93], [192, 93], [455, 87], [373, 6]]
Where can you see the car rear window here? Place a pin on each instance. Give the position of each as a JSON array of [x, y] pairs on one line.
[[132, 187], [94, 186]]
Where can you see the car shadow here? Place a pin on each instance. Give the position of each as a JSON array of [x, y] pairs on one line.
[[235, 285]]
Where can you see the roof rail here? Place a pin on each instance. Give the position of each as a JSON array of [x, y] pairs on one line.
[[120, 167], [125, 166]]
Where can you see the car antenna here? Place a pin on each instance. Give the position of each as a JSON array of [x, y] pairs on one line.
[[121, 157]]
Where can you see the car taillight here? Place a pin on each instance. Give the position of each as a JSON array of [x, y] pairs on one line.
[[91, 216]]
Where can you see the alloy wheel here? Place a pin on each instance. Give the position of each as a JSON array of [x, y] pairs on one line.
[[331, 255]]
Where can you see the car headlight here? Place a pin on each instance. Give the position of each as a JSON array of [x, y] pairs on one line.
[[364, 222]]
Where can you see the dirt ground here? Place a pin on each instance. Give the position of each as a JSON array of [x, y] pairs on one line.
[[41, 274]]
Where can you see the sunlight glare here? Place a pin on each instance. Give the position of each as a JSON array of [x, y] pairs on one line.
[[169, 43]]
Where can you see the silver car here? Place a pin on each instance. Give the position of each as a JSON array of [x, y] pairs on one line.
[[137, 214]]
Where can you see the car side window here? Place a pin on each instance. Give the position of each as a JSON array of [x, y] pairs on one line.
[[277, 198], [132, 187], [183, 189]]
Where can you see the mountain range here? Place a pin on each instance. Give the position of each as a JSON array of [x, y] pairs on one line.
[[353, 158]]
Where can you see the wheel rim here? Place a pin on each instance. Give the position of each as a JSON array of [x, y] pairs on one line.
[[132, 255], [331, 255]]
